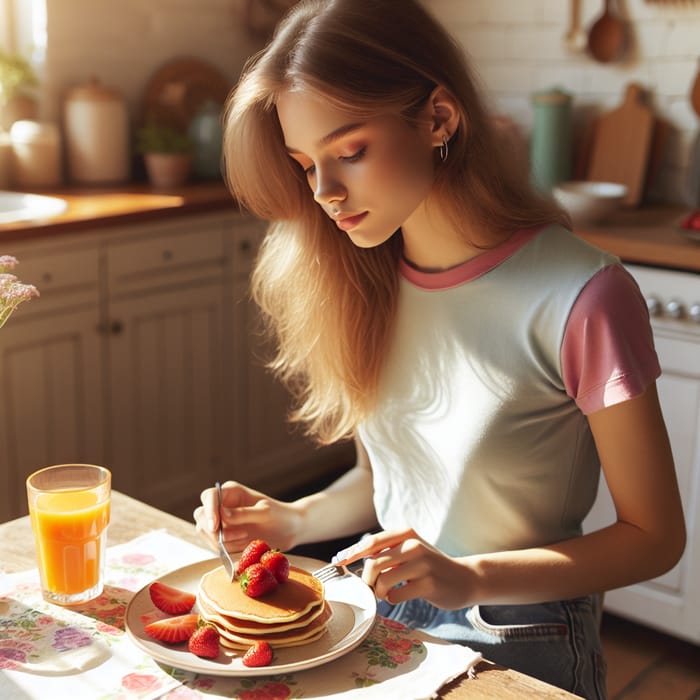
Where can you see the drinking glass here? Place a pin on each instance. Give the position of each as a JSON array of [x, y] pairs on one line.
[[69, 510]]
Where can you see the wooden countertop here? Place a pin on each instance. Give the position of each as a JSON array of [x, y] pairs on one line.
[[111, 206], [649, 235], [131, 518]]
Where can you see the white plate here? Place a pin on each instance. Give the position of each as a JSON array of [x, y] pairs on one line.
[[354, 610]]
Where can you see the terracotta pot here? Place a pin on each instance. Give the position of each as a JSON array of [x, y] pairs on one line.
[[168, 169]]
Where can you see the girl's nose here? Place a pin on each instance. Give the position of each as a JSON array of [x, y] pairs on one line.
[[328, 188]]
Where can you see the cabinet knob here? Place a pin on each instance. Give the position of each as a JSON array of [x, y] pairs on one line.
[[116, 327], [167, 255], [674, 308], [244, 245], [694, 312]]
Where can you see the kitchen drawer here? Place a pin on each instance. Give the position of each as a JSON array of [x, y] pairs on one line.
[[157, 259], [61, 271]]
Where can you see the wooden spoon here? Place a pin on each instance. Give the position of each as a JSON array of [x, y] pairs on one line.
[[575, 39], [607, 38]]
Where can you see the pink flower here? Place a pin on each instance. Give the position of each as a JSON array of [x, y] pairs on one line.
[[269, 691], [140, 682], [108, 629], [44, 620], [137, 559], [393, 624], [400, 658], [12, 291], [398, 644]]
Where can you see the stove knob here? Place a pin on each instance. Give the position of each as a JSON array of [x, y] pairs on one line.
[[654, 306], [674, 308], [694, 311]]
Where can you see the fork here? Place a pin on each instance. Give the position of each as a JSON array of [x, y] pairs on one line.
[[329, 572], [223, 552]]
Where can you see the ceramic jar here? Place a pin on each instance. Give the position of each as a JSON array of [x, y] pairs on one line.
[[96, 124], [36, 154]]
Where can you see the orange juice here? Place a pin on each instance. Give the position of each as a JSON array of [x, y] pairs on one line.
[[69, 527]]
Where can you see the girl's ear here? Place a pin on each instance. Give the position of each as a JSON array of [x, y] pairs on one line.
[[444, 115]]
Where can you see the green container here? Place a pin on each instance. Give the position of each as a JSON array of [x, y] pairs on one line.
[[551, 139]]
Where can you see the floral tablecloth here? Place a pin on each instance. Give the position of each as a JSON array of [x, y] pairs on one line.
[[47, 651]]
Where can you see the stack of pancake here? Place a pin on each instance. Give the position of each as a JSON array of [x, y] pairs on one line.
[[295, 613]]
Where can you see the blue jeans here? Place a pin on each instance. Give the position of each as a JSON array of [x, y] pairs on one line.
[[556, 642]]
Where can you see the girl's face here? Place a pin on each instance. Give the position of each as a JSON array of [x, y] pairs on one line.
[[369, 175]]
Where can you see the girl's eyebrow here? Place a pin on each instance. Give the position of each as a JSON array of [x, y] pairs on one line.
[[333, 136]]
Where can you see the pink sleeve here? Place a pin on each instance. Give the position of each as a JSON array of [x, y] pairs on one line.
[[607, 354]]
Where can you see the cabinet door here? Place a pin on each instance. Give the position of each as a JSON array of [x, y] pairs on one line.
[[270, 453], [670, 602], [51, 407], [167, 402]]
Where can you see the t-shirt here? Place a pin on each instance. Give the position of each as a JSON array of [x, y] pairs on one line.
[[480, 440]]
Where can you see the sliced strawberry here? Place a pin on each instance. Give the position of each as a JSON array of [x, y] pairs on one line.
[[260, 654], [256, 581], [173, 629], [277, 563], [171, 600], [204, 642], [251, 555]]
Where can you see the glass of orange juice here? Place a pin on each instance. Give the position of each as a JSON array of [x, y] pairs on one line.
[[69, 511]]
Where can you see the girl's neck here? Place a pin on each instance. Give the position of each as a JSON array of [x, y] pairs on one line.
[[432, 243]]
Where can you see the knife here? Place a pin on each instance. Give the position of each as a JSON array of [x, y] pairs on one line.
[[223, 552]]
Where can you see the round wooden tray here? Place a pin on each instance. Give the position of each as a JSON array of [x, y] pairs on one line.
[[177, 90]]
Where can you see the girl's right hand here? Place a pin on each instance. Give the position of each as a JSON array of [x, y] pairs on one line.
[[247, 515]]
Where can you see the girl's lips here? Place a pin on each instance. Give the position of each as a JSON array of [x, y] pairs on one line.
[[350, 222]]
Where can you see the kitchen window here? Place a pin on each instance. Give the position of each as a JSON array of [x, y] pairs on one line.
[[23, 29]]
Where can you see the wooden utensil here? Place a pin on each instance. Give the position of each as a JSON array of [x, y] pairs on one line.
[[607, 37], [575, 38], [622, 143]]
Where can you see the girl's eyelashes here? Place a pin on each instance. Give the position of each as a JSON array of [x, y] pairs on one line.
[[355, 156]]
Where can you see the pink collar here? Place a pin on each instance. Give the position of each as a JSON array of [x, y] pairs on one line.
[[469, 270]]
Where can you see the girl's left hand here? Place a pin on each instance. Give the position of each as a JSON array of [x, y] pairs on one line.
[[400, 566]]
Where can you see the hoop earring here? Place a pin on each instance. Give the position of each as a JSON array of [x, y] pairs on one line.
[[444, 149]]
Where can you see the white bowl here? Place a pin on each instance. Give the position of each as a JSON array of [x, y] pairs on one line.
[[590, 202]]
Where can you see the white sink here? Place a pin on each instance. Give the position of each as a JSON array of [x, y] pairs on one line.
[[21, 206]]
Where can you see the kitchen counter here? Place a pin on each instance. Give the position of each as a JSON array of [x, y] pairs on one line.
[[648, 236], [111, 206]]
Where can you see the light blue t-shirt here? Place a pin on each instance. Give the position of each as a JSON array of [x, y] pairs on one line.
[[475, 443]]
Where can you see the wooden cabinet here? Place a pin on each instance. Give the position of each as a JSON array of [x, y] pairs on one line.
[[138, 355]]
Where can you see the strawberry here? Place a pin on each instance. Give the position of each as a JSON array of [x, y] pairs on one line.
[[256, 581], [173, 629], [260, 654], [171, 600], [251, 555], [204, 642], [276, 563]]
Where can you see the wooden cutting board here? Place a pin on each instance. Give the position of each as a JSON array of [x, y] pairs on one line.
[[622, 144]]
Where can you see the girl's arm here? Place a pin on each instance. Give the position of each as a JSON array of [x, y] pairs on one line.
[[646, 540], [344, 508]]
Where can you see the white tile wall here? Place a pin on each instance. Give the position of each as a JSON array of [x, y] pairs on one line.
[[122, 43], [516, 45], [517, 48]]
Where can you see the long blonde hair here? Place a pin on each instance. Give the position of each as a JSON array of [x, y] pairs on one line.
[[329, 304]]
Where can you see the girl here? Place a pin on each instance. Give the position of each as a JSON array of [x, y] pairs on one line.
[[428, 303]]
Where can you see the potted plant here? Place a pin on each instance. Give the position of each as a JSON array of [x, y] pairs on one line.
[[167, 154], [17, 78]]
